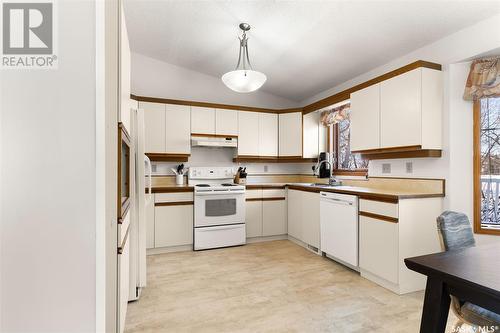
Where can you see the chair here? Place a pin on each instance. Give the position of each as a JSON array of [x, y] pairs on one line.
[[456, 234]]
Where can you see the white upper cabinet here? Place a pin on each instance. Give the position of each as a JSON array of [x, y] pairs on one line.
[[311, 132], [401, 105], [202, 120], [365, 118], [177, 129], [154, 123], [403, 111], [226, 122], [290, 134], [268, 134], [248, 136]]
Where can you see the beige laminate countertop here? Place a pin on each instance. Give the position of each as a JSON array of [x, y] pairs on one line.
[[362, 192]]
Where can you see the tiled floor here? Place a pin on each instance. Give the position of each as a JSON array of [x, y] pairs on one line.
[[266, 287]]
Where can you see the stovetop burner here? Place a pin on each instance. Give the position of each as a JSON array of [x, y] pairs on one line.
[[202, 185]]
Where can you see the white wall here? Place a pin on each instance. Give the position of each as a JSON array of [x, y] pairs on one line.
[[48, 186], [154, 78], [455, 165]]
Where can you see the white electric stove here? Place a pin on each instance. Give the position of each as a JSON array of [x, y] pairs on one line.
[[219, 208]]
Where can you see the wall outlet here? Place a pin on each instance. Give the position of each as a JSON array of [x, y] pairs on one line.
[[409, 167], [266, 168], [386, 167], [153, 168]]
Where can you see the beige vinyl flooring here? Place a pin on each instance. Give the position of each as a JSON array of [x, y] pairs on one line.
[[273, 286]]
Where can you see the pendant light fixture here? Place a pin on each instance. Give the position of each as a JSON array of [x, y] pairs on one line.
[[244, 79]]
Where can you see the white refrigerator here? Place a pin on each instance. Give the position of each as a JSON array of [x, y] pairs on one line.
[[142, 197]]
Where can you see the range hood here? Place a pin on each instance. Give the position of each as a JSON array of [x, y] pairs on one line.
[[209, 141]]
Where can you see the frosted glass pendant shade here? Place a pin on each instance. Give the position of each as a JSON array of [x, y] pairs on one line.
[[244, 80]]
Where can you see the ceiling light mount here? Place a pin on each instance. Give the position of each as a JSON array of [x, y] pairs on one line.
[[244, 79]]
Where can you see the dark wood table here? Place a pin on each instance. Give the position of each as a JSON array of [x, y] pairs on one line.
[[472, 275]]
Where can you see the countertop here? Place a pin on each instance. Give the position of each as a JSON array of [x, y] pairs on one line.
[[362, 192]]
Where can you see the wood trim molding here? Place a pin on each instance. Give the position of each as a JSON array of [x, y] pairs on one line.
[[346, 94], [379, 217], [213, 135], [171, 189], [211, 105], [403, 154], [122, 205], [164, 157], [273, 159], [388, 150], [122, 245], [357, 172], [477, 172], [174, 203], [378, 197], [304, 188], [266, 199]]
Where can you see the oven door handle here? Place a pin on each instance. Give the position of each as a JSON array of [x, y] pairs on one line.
[[220, 227]]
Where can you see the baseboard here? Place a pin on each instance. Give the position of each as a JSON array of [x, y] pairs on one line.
[[381, 281], [170, 249], [265, 239], [304, 245]]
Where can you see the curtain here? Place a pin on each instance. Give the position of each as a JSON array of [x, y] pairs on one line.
[[484, 79], [335, 115]]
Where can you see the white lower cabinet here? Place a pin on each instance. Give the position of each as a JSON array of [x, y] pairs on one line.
[[378, 247], [150, 224], [274, 218], [253, 218], [391, 232], [266, 212], [303, 217], [173, 225]]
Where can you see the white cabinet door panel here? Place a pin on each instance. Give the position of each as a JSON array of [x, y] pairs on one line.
[[365, 118], [378, 248], [311, 135], [173, 225], [295, 214], [274, 218], [268, 134], [310, 219], [253, 218], [400, 110], [290, 134], [178, 129], [150, 224], [226, 122], [154, 123], [248, 137], [202, 120]]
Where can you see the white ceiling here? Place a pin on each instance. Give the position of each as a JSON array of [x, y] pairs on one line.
[[304, 47]]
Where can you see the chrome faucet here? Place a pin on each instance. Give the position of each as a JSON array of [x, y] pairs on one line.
[[331, 180]]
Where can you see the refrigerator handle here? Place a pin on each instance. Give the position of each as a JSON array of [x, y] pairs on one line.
[[148, 162]]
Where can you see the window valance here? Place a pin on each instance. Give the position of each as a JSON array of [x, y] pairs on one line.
[[335, 115], [484, 79]]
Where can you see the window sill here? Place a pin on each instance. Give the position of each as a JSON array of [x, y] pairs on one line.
[[487, 231], [343, 172]]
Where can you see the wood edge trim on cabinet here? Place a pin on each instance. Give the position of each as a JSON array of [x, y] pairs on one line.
[[378, 197], [327, 101], [266, 199], [345, 94], [211, 105], [174, 203], [124, 207], [171, 189], [214, 135], [122, 245], [166, 157], [404, 154], [388, 149], [358, 172], [126, 136], [304, 189], [379, 217]]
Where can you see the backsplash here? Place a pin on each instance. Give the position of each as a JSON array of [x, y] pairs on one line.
[[204, 156]]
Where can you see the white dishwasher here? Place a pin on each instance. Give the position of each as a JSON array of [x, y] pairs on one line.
[[339, 227]]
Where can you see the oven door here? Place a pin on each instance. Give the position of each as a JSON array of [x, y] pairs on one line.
[[219, 209]]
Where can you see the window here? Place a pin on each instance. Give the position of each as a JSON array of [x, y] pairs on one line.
[[346, 163], [487, 166]]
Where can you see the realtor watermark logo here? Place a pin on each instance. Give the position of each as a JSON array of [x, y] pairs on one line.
[[28, 35]]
